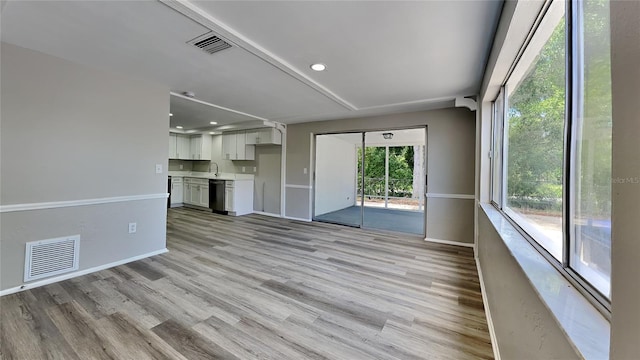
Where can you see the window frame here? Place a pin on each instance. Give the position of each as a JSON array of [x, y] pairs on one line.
[[573, 52], [497, 141]]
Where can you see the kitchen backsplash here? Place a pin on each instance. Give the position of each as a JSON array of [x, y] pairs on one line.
[[174, 165], [224, 166]]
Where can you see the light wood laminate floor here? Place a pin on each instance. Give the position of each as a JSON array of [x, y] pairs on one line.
[[257, 287]]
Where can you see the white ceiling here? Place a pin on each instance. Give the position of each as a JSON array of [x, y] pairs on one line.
[[381, 56], [193, 115]]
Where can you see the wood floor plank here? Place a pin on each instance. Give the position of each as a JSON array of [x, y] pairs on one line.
[[189, 343], [256, 287], [133, 341], [79, 329]]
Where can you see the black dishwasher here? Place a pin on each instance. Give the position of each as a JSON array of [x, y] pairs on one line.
[[216, 196]]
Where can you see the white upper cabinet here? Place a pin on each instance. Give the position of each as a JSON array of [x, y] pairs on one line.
[[173, 146], [184, 147], [234, 147], [241, 147], [267, 136], [200, 147], [228, 146]]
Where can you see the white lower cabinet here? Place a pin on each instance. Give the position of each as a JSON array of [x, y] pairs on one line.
[[238, 197], [196, 192], [186, 194], [228, 196], [238, 194], [204, 195], [177, 191]]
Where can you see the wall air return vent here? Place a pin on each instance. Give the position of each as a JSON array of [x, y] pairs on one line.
[[51, 257], [209, 43]]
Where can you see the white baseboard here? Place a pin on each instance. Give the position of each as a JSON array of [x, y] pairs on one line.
[[487, 311], [448, 242], [297, 219], [78, 273], [267, 214]]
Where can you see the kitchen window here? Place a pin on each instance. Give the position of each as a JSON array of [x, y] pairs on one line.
[[551, 142]]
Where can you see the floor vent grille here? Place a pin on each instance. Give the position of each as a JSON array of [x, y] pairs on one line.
[[209, 43], [51, 257]]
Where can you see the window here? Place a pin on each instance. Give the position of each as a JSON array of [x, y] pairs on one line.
[[590, 253], [534, 124], [551, 145]]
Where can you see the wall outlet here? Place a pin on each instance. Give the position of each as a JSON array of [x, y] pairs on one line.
[[244, 169], [304, 171], [158, 168], [181, 166], [133, 227], [255, 168]]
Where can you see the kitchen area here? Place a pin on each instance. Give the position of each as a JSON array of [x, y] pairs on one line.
[[227, 167]]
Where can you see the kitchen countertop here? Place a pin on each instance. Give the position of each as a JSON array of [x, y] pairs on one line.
[[205, 175]]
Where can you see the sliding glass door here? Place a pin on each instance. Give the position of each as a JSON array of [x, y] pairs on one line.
[[373, 180]]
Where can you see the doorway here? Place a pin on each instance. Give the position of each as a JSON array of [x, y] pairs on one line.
[[373, 180]]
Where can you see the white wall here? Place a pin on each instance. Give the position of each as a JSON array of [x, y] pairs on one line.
[[68, 133], [335, 174]]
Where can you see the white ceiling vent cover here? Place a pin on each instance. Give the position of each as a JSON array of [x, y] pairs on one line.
[[209, 43], [51, 257]]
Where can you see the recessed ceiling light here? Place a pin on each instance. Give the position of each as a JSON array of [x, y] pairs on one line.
[[170, 114], [212, 132], [178, 127], [318, 67], [213, 123]]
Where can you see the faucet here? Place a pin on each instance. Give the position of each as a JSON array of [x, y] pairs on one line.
[[216, 164]]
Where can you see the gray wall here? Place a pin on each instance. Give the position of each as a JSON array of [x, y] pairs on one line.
[[625, 242], [267, 190], [71, 133], [525, 329], [451, 163]]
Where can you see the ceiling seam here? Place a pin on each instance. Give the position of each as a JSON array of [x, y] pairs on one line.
[[216, 106], [198, 15]]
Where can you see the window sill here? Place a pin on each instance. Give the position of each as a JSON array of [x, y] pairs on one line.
[[584, 326]]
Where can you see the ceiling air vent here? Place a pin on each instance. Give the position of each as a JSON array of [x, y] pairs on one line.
[[209, 43]]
